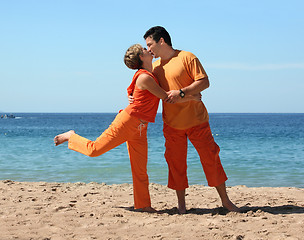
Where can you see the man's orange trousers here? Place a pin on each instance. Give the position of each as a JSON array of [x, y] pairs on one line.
[[131, 130], [176, 155]]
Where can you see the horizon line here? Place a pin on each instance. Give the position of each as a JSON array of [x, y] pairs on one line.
[[161, 112]]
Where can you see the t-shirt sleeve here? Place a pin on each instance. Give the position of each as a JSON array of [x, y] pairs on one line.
[[194, 68]]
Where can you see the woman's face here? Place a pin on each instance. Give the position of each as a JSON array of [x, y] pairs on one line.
[[146, 56]]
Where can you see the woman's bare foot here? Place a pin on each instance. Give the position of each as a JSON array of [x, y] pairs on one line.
[[61, 138], [147, 209]]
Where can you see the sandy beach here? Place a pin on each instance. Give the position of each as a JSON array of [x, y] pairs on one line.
[[42, 210]]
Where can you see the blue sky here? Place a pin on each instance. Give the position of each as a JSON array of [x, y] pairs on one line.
[[67, 55]]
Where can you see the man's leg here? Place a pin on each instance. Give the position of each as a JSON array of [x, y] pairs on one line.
[[181, 201], [203, 141], [221, 189], [176, 157]]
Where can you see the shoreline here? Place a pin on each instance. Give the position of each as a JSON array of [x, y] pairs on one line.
[[41, 210]]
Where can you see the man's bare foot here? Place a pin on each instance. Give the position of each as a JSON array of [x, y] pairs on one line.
[[147, 209], [221, 189], [231, 207], [61, 138], [182, 210]]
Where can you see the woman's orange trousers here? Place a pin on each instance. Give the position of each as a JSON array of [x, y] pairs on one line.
[[131, 130]]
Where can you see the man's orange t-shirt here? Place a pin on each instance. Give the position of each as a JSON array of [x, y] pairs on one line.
[[178, 72]]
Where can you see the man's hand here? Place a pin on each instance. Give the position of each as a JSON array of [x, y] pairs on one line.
[[173, 96], [131, 99]]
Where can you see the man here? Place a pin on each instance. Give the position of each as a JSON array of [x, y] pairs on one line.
[[182, 74]]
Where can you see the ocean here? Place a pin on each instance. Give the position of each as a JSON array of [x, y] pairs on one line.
[[257, 150]]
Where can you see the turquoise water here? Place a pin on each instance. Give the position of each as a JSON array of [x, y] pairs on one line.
[[256, 150]]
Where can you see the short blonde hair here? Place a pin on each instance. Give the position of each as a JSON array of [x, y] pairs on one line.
[[132, 59]]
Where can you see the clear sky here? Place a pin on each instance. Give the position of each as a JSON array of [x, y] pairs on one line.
[[67, 55]]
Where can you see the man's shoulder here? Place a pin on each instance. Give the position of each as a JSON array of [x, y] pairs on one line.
[[186, 54]]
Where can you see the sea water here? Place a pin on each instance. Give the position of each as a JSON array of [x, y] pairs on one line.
[[256, 150]]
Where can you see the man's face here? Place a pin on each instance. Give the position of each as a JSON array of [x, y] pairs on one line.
[[153, 47]]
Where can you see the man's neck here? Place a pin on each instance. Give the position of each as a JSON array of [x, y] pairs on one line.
[[167, 54]]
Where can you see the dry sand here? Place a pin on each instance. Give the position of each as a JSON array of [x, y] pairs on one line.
[[98, 211]]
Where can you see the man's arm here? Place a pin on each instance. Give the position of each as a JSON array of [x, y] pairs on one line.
[[195, 88]]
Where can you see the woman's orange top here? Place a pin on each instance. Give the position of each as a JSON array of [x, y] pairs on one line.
[[145, 104]]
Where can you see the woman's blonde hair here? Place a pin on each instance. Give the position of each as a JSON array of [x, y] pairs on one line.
[[132, 59]]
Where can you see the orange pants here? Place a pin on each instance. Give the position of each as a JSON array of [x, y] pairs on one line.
[[124, 128], [176, 155]]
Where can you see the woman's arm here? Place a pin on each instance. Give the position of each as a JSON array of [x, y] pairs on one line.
[[146, 82], [195, 97], [195, 88]]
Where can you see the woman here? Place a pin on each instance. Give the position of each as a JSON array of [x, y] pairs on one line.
[[130, 125]]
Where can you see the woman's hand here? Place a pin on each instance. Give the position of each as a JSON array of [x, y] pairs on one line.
[[131, 99], [197, 97], [174, 97]]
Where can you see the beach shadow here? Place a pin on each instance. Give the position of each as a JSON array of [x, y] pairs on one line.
[[197, 211], [284, 209], [171, 211], [132, 209]]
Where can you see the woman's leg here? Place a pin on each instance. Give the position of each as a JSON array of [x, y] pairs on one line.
[[118, 132], [63, 137], [138, 153], [124, 128]]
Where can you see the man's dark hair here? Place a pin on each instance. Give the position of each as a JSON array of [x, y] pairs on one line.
[[157, 33]]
